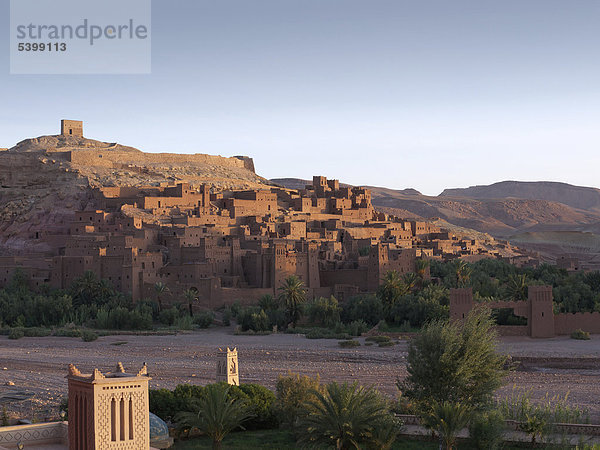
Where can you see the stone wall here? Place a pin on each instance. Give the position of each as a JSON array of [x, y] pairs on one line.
[[513, 330], [108, 158], [228, 296], [356, 277], [566, 323], [40, 434]]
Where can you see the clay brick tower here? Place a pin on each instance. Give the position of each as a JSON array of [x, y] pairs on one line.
[[461, 303], [541, 317], [71, 128], [108, 411], [227, 366]]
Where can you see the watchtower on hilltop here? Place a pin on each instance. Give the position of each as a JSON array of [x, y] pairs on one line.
[[71, 128]]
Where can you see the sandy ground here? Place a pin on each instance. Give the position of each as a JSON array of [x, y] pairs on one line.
[[39, 365]]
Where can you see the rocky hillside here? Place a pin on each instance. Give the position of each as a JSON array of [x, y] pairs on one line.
[[574, 196], [43, 180]]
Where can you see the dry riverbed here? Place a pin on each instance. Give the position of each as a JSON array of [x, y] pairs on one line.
[[38, 365]]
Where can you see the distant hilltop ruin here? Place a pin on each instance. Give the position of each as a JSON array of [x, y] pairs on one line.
[[71, 128], [45, 179]]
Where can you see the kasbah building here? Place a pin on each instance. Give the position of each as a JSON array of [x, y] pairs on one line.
[[234, 245]]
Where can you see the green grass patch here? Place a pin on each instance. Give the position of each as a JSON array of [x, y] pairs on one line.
[[349, 344], [386, 344], [243, 440], [284, 440]]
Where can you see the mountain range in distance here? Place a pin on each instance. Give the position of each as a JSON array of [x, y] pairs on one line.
[[550, 217]]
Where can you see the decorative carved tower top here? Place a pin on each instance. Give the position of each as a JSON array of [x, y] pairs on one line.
[[227, 366], [108, 410]]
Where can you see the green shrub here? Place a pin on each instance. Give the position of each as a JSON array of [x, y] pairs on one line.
[[188, 391], [36, 332], [168, 316], [518, 406], [455, 362], [323, 311], [349, 344], [260, 401], [368, 308], [580, 335], [235, 309], [386, 344], [165, 404], [378, 339], [446, 419], [184, 323], [253, 318], [535, 425], [88, 336], [486, 430], [205, 319], [227, 316], [324, 333], [405, 327], [16, 333], [121, 318], [267, 302], [357, 327], [292, 392], [67, 332]]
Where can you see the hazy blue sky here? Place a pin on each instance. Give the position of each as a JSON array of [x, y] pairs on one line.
[[423, 94]]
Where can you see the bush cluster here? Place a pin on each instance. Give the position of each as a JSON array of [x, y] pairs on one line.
[[184, 398], [580, 335]]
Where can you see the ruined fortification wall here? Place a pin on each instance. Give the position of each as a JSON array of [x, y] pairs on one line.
[[99, 158], [566, 323]]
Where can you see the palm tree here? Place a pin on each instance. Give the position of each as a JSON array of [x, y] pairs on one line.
[[191, 295], [292, 294], [85, 288], [410, 280], [447, 419], [160, 288], [267, 302], [385, 433], [217, 414], [392, 288], [516, 287], [463, 272], [421, 266], [344, 416]]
